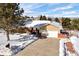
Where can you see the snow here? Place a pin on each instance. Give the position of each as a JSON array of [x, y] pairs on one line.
[[5, 51], [3, 39], [56, 24], [33, 23], [17, 42], [74, 40], [61, 47]]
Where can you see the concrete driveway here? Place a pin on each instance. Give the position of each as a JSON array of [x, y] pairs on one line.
[[41, 47]]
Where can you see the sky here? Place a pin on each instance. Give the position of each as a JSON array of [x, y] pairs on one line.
[[51, 9]]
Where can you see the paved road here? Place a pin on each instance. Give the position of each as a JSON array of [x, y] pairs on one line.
[[41, 47]]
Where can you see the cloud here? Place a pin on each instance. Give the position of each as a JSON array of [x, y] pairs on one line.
[[31, 5], [54, 15], [69, 12], [63, 8], [29, 8], [61, 15], [28, 11], [36, 9]]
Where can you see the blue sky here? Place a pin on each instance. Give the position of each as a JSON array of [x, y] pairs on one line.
[[51, 9]]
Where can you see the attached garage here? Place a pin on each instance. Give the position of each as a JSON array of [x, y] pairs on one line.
[[52, 30], [53, 34]]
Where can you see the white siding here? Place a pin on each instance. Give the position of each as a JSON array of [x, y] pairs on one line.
[[52, 34]]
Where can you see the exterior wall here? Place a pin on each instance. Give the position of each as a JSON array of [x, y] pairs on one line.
[[52, 28], [52, 31], [53, 34]]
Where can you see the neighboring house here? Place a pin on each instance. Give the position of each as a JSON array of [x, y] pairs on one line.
[[52, 28]]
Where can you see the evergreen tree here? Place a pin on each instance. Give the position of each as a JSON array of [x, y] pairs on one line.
[[43, 18], [40, 17], [66, 23], [75, 24], [10, 16], [57, 20], [50, 19]]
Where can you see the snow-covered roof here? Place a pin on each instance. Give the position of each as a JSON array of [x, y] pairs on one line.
[[56, 24], [38, 22]]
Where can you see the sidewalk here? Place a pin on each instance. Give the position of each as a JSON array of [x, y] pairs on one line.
[[42, 47]]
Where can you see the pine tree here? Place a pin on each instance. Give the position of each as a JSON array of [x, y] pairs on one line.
[[75, 24], [66, 23], [50, 19], [10, 16], [43, 18], [40, 17], [57, 20]]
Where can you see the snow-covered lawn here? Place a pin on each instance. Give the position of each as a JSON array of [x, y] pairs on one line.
[[17, 42], [63, 48]]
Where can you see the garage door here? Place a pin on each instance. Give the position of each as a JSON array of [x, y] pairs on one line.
[[52, 34]]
